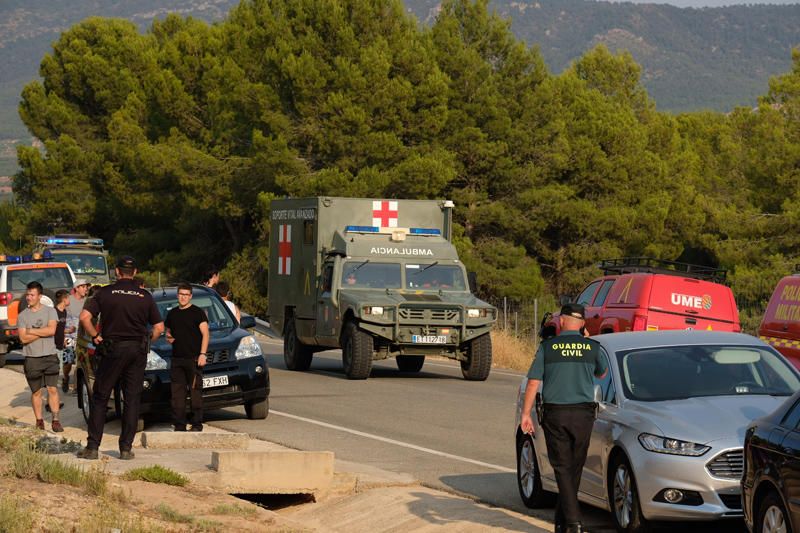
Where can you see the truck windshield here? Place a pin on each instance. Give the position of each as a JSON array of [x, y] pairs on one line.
[[84, 263], [369, 275], [434, 276]]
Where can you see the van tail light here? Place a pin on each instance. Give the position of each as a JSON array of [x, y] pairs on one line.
[[6, 298], [639, 323]]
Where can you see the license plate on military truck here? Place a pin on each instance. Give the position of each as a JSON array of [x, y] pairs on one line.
[[429, 339], [215, 381]]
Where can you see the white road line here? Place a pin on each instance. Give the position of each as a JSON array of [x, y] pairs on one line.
[[396, 442], [493, 371]]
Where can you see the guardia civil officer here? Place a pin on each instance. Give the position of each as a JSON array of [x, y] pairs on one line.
[[566, 364], [126, 310]]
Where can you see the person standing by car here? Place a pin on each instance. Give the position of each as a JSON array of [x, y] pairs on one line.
[[566, 364], [127, 310], [187, 331], [65, 336], [37, 328], [223, 288]]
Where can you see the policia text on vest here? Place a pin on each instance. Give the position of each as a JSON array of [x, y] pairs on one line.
[[566, 366]]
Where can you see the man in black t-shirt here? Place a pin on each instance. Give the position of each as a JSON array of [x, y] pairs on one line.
[[187, 331]]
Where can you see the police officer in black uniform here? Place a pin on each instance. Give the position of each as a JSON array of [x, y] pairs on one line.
[[566, 364], [125, 311]]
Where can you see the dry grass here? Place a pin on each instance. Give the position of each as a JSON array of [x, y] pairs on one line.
[[15, 514], [511, 352]]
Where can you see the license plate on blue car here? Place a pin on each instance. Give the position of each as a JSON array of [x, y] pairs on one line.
[[215, 381]]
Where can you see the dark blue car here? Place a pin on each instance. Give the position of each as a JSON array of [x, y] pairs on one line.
[[770, 487], [236, 372]]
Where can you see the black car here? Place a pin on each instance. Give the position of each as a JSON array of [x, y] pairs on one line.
[[770, 488], [236, 372]]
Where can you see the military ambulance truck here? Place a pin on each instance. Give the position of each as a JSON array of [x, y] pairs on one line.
[[376, 278]]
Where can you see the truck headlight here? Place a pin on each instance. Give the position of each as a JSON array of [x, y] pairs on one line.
[[657, 444], [374, 310], [248, 347], [155, 361], [479, 312]]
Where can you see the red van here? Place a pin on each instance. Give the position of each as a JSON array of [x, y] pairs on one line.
[[780, 327], [645, 294]]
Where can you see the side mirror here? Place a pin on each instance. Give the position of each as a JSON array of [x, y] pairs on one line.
[[472, 279], [564, 299], [248, 322]]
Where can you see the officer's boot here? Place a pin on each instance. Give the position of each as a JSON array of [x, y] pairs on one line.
[[574, 527]]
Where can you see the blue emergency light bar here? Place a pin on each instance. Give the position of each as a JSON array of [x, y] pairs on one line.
[[424, 231], [63, 241], [362, 229]]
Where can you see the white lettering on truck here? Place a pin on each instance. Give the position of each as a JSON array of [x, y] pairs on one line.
[[385, 250], [696, 302]]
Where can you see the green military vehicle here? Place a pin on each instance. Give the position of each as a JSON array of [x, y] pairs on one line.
[[376, 278], [84, 254]]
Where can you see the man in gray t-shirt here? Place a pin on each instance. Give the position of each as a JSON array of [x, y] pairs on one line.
[[37, 328]]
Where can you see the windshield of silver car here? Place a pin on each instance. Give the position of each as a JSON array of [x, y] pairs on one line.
[[369, 275], [680, 372]]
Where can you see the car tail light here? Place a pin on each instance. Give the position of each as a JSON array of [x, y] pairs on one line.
[[639, 323], [6, 298]]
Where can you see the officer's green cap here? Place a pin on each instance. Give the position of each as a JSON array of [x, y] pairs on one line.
[[573, 310]]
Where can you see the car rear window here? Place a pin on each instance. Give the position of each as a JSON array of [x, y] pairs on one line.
[[49, 277], [680, 372]]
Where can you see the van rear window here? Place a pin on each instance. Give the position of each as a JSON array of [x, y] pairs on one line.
[[50, 278]]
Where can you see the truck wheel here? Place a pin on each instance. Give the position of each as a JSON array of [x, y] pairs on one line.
[[477, 367], [357, 350], [410, 363], [257, 410], [296, 355]]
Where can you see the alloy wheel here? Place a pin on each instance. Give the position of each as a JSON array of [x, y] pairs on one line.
[[623, 496], [774, 521], [527, 468]]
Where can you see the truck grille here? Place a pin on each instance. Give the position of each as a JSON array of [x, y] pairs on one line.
[[728, 465], [417, 314], [219, 356]]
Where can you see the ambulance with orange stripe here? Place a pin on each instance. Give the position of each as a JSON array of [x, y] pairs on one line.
[[780, 327], [377, 278], [646, 294], [15, 273]]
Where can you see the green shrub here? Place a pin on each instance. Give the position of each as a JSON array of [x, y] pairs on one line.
[[233, 509], [156, 474], [28, 463], [171, 515], [15, 516]]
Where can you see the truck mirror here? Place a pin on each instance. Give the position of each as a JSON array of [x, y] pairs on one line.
[[472, 279], [564, 299]]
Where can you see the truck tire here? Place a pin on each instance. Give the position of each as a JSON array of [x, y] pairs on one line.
[[357, 351], [296, 355], [410, 363], [477, 367]]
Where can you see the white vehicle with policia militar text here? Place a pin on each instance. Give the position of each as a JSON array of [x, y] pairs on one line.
[[376, 278]]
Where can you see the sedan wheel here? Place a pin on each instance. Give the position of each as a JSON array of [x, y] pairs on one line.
[[772, 518], [623, 498], [625, 509], [529, 481]]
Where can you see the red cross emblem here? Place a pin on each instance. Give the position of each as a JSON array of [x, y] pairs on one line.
[[284, 249], [384, 213]]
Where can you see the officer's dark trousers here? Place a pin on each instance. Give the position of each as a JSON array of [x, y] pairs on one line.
[[125, 363], [185, 373], [567, 430]]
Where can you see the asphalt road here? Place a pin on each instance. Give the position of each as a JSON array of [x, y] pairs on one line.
[[449, 433]]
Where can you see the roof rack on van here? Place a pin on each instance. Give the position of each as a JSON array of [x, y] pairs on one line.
[[628, 265]]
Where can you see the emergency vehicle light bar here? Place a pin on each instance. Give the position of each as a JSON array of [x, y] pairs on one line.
[[43, 256], [376, 229], [66, 241]]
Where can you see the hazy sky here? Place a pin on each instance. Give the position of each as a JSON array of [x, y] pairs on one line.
[[713, 3]]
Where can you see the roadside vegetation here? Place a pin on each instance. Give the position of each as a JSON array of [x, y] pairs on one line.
[[510, 351], [550, 173], [150, 499], [156, 474]]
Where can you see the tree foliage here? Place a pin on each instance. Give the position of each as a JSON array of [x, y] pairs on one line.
[[171, 143]]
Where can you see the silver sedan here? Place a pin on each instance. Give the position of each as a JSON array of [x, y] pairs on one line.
[[667, 443]]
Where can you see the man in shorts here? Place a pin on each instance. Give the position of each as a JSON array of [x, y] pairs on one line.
[[37, 329]]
